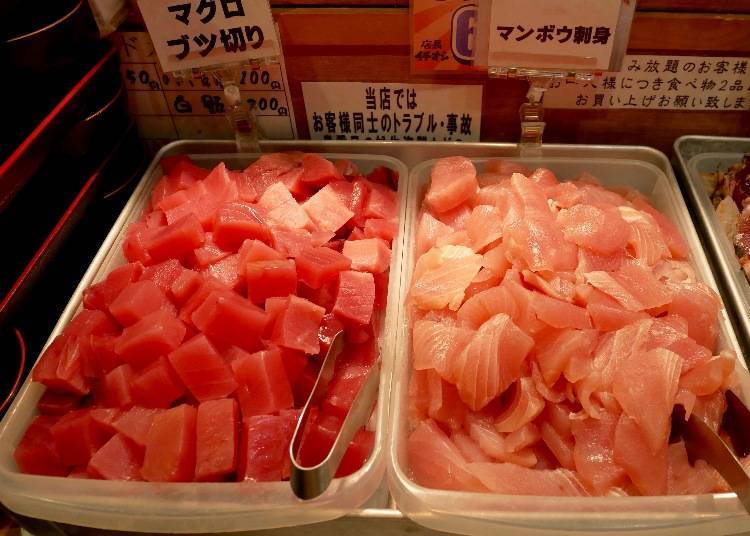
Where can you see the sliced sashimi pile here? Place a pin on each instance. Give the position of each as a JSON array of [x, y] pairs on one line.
[[190, 363], [555, 325]]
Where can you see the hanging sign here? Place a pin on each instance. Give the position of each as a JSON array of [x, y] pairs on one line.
[[191, 34], [576, 35]]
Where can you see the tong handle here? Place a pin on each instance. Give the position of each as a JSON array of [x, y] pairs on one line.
[[310, 482], [701, 442]]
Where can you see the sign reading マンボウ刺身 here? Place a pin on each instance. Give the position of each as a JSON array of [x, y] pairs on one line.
[[191, 34], [584, 35], [662, 83], [392, 111]]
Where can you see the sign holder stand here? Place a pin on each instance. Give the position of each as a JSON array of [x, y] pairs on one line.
[[531, 112], [572, 69], [240, 114]]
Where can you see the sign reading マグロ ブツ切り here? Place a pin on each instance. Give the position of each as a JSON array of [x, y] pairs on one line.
[[190, 34]]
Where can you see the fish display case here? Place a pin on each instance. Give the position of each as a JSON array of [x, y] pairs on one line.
[[363, 503], [483, 513], [696, 156], [191, 507]]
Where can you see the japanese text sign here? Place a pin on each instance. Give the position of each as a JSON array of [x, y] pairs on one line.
[[389, 111], [557, 34], [199, 33], [662, 83]]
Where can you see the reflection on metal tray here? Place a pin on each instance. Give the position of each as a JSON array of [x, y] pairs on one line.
[[693, 155]]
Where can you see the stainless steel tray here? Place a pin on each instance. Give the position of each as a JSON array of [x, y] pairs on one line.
[[730, 277], [379, 516]]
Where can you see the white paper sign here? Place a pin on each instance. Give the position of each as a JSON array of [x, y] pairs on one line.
[[199, 33], [546, 34], [389, 111], [166, 107], [662, 83]]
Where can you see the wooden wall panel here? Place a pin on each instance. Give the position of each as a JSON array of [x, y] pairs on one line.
[[373, 45], [368, 40]]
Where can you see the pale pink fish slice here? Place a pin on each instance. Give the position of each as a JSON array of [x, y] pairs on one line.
[[593, 452], [673, 237], [558, 313], [494, 444], [484, 226], [491, 362], [540, 244], [444, 285], [512, 479], [601, 231], [543, 177], [429, 229], [646, 243], [469, 448], [605, 282], [646, 469], [453, 180], [444, 406], [484, 280], [672, 271], [625, 342], [645, 385], [495, 259], [560, 446], [555, 353], [436, 462], [492, 194], [607, 314], [589, 261], [532, 197], [456, 218], [565, 194], [666, 330], [686, 399], [559, 417], [684, 478], [524, 437], [456, 238], [525, 318], [699, 305], [525, 406], [419, 396], [488, 179], [481, 307], [559, 285], [556, 393], [710, 376], [435, 345], [443, 316], [710, 409], [595, 194]]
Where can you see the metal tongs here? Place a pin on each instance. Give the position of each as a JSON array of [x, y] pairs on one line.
[[309, 482], [701, 442]]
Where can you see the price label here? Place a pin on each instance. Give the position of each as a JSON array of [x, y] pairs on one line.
[[199, 33], [582, 35]]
